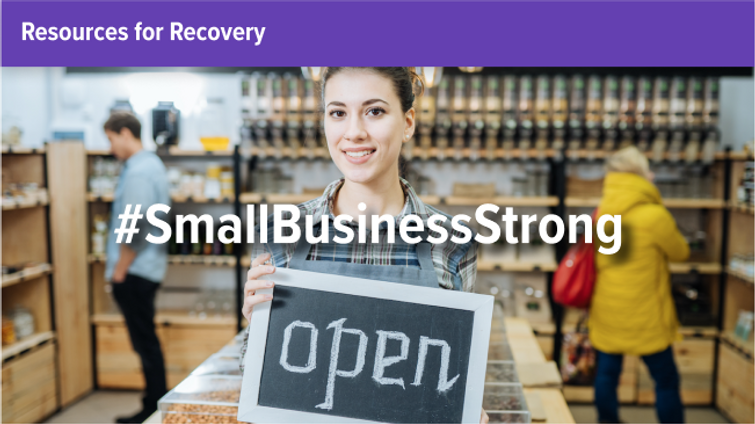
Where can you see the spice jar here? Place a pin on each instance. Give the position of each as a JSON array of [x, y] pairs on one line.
[[23, 322]]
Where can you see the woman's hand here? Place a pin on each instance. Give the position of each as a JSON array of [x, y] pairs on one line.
[[253, 284], [484, 417]]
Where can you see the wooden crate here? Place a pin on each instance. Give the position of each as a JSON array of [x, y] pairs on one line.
[[627, 390], [734, 394], [695, 361], [30, 385]]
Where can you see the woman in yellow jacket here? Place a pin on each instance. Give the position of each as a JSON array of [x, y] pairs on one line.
[[632, 310]]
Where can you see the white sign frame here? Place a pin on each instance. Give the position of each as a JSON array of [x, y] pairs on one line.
[[481, 305]]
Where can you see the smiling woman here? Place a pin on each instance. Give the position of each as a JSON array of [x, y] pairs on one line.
[[369, 115]]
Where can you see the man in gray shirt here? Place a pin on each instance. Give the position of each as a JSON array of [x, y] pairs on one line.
[[136, 269]]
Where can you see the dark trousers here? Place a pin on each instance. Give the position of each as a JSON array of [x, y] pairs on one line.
[[136, 298], [668, 402]]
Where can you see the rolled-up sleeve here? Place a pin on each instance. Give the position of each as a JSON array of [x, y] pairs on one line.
[[138, 190]]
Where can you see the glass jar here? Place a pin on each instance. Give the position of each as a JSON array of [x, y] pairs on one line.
[[23, 322], [213, 132]]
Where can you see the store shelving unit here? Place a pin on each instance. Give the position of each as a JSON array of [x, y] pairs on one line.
[[734, 379], [26, 240]]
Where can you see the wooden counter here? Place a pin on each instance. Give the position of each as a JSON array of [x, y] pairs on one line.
[[547, 404]]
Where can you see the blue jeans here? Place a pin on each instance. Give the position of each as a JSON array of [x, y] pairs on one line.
[[668, 402]]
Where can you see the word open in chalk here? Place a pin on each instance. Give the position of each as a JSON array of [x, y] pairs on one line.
[[382, 361]]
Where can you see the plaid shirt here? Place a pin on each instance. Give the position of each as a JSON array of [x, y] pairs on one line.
[[455, 264]]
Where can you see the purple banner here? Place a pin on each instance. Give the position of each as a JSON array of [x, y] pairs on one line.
[[387, 33]]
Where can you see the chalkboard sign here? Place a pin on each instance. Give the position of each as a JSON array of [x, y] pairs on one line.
[[335, 349]]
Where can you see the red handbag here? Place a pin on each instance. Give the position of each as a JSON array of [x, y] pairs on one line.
[[574, 279]]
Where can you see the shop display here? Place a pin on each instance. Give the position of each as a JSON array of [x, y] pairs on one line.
[[166, 122], [501, 372], [746, 185], [217, 182], [213, 133], [694, 306], [743, 264], [202, 399], [9, 333], [23, 322], [219, 365], [499, 351], [471, 114], [505, 403], [99, 234], [15, 194], [213, 304], [103, 176], [743, 330]]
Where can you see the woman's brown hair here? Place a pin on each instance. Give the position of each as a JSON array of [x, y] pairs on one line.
[[405, 81]]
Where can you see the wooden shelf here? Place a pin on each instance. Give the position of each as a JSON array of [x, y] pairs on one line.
[[601, 154], [742, 207], [26, 274], [100, 198], [516, 266], [94, 258], [287, 153], [274, 198], [26, 343], [176, 151], [582, 201], [169, 318], [700, 267], [20, 150], [176, 199], [503, 201], [12, 205], [250, 198], [669, 203], [99, 152], [694, 203], [416, 153], [698, 331], [201, 199], [747, 279], [451, 153], [743, 155], [209, 260], [746, 348]]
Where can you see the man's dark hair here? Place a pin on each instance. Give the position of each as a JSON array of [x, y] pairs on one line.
[[121, 120]]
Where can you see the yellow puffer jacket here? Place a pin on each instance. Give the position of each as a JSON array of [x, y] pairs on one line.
[[632, 310]]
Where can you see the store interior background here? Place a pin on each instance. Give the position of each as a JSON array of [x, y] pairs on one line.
[[46, 101]]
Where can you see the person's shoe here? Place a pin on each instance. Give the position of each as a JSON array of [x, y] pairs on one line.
[[139, 417]]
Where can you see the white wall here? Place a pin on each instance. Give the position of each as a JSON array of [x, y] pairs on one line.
[[26, 104], [737, 112], [48, 99]]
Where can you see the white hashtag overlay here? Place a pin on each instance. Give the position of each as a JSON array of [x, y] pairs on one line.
[[126, 219], [286, 217]]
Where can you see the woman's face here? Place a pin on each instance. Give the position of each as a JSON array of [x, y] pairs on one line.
[[364, 125]]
